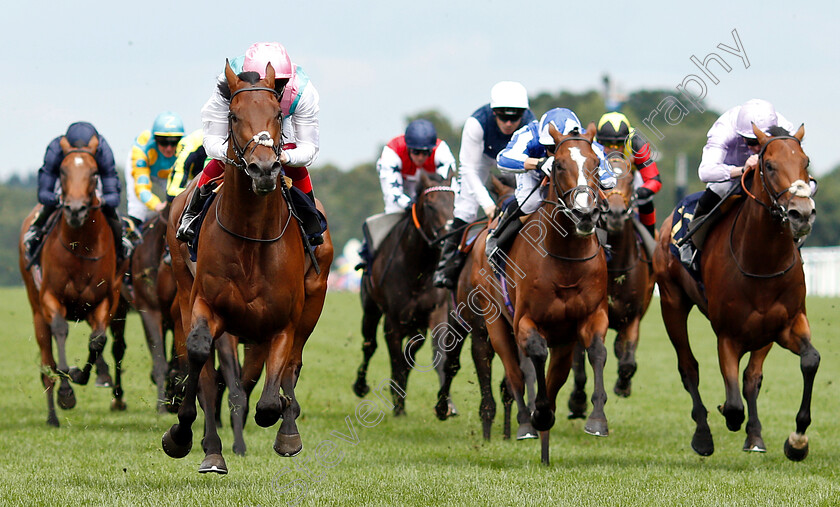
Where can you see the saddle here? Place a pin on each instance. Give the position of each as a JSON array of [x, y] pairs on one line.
[[52, 221], [681, 225]]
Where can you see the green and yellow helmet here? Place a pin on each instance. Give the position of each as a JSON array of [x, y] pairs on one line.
[[168, 124], [613, 128]]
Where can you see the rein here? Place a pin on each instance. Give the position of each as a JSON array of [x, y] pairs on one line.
[[741, 269], [246, 238], [776, 210]]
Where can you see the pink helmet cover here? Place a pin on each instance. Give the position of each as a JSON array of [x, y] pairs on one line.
[[262, 53]]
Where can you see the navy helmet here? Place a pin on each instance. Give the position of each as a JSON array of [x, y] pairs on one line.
[[420, 135], [79, 134]]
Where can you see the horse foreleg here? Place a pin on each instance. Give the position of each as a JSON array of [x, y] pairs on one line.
[[577, 399], [252, 367], [272, 404], [450, 349], [558, 372], [534, 345], [153, 329], [729, 356], [626, 342], [399, 360], [482, 355], [59, 329], [798, 341], [98, 321], [752, 385], [177, 441], [237, 399], [118, 350], [370, 321], [43, 336], [503, 343], [675, 310], [211, 443], [596, 424]]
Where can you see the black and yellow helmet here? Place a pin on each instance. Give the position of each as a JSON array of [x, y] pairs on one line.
[[613, 128]]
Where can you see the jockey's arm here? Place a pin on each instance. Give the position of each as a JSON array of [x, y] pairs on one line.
[[48, 174], [472, 151], [519, 154], [642, 159], [444, 160], [214, 119], [605, 173], [306, 131], [141, 172], [104, 157], [389, 167]]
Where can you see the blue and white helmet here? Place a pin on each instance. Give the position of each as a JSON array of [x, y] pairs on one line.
[[564, 120]]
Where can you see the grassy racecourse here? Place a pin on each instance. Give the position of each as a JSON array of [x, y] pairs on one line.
[[102, 458]]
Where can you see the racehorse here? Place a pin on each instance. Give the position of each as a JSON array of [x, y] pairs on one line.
[[754, 293], [629, 286], [254, 280], [398, 284], [79, 279], [555, 282], [464, 320]]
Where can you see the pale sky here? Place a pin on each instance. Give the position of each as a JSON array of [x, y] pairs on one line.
[[118, 64]]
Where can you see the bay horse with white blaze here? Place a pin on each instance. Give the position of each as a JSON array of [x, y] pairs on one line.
[[559, 293], [754, 291], [253, 278], [79, 279]]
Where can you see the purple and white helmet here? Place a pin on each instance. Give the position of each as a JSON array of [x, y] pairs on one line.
[[757, 111]]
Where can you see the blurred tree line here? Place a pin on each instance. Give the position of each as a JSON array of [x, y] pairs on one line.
[[352, 194]]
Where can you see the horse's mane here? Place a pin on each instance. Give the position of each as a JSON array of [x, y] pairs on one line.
[[776, 130], [250, 78]]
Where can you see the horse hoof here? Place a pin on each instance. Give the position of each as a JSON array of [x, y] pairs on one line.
[[213, 463], [451, 411], [734, 418], [104, 380], [796, 447], [754, 444], [441, 409], [79, 376], [266, 417], [172, 448], [360, 388], [288, 445], [486, 427], [526, 432], [577, 406], [66, 398], [239, 449], [702, 443], [542, 420], [399, 411], [596, 427], [117, 405], [622, 391], [52, 420]]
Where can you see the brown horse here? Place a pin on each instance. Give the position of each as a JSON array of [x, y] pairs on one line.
[[556, 281], [466, 320], [398, 284], [79, 279], [252, 278], [754, 292], [629, 286]]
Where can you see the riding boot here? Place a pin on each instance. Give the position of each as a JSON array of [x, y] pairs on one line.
[[503, 235], [651, 229], [451, 258], [688, 250], [33, 236], [186, 231], [122, 245], [317, 238], [364, 257]]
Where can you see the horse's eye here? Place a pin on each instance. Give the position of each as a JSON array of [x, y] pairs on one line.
[[232, 118], [769, 166]]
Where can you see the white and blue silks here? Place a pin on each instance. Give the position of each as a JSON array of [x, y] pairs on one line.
[[525, 143]]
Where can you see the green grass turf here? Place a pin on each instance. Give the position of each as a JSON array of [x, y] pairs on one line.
[[99, 457]]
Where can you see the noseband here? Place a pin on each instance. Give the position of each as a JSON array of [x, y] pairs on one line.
[[260, 139], [417, 225]]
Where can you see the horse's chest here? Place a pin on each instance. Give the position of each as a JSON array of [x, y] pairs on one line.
[[256, 306]]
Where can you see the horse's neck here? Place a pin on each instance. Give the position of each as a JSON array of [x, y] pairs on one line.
[[758, 240], [623, 243], [417, 254], [560, 236], [88, 235], [252, 215]]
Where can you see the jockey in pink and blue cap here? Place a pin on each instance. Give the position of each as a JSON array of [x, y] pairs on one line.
[[299, 104]]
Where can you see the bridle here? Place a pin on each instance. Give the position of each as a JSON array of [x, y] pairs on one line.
[[92, 207], [776, 209], [436, 237], [260, 139], [598, 198]]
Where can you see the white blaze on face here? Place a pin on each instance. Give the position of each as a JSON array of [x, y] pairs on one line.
[[582, 198]]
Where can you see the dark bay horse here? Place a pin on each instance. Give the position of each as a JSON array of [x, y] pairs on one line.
[[252, 278], [556, 283], [398, 284], [754, 292], [629, 286], [79, 279], [465, 319]]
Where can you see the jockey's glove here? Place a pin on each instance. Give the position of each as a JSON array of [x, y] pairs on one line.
[[545, 164], [643, 195]]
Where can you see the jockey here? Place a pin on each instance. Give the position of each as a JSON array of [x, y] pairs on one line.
[[78, 135], [614, 132], [731, 149], [401, 158], [148, 166], [485, 133], [189, 160], [530, 153], [299, 104]]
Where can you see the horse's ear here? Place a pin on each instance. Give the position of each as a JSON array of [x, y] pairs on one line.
[[800, 133], [93, 144], [269, 75], [65, 144], [425, 182], [590, 131], [554, 133], [761, 136], [231, 77]]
